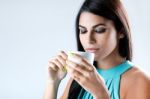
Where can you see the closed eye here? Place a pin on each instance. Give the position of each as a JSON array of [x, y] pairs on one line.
[[82, 30], [100, 30]]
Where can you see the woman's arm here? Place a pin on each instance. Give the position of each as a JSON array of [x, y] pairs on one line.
[[86, 75], [140, 88], [66, 91], [51, 90], [102, 94], [55, 73]]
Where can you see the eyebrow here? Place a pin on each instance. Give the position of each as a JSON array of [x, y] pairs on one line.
[[94, 25]]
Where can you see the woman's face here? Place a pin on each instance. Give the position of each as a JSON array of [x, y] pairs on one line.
[[97, 35]]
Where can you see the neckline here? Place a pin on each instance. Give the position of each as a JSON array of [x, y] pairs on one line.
[[109, 73]]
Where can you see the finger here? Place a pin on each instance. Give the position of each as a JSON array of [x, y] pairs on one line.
[[63, 54], [61, 60], [88, 66], [74, 73], [80, 68], [77, 76], [52, 66], [58, 63], [82, 61]]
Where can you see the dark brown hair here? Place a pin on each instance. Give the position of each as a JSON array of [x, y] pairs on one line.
[[112, 10]]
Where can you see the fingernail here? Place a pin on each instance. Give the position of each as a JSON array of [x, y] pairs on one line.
[[62, 51]]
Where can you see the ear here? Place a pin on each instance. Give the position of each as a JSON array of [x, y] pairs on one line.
[[121, 35]]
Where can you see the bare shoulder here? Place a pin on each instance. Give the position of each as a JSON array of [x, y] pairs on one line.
[[136, 74], [137, 83], [140, 78]]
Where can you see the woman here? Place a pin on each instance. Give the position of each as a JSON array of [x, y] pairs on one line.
[[102, 28]]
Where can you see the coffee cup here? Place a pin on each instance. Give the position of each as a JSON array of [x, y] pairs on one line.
[[87, 55]]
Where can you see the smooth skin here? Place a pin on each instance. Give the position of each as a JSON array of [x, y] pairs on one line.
[[100, 33], [55, 72]]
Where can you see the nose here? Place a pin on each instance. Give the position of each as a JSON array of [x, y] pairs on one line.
[[91, 38]]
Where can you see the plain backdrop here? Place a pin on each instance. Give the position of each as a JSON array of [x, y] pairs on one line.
[[33, 31]]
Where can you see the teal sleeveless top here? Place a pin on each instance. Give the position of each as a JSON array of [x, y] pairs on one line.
[[112, 79]]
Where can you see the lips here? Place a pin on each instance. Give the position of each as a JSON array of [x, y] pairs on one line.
[[92, 50]]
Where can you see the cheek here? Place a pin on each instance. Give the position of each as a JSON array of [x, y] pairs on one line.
[[82, 40], [113, 39], [109, 41]]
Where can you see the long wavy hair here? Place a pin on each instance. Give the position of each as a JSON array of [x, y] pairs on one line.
[[112, 10]]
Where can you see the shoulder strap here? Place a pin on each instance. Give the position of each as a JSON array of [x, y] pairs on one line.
[[125, 67]]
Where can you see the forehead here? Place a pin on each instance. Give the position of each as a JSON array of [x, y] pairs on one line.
[[90, 19]]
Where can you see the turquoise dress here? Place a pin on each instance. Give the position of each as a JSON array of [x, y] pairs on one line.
[[112, 79]]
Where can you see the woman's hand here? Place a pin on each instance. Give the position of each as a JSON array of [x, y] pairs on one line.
[[87, 76], [56, 67]]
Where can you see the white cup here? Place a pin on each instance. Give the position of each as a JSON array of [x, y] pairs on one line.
[[87, 55]]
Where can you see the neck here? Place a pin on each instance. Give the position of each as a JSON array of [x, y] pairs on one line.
[[110, 61]]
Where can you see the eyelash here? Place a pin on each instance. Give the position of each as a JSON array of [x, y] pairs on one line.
[[96, 30], [82, 31], [100, 30]]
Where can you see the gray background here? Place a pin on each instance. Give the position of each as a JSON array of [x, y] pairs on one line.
[[33, 31]]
